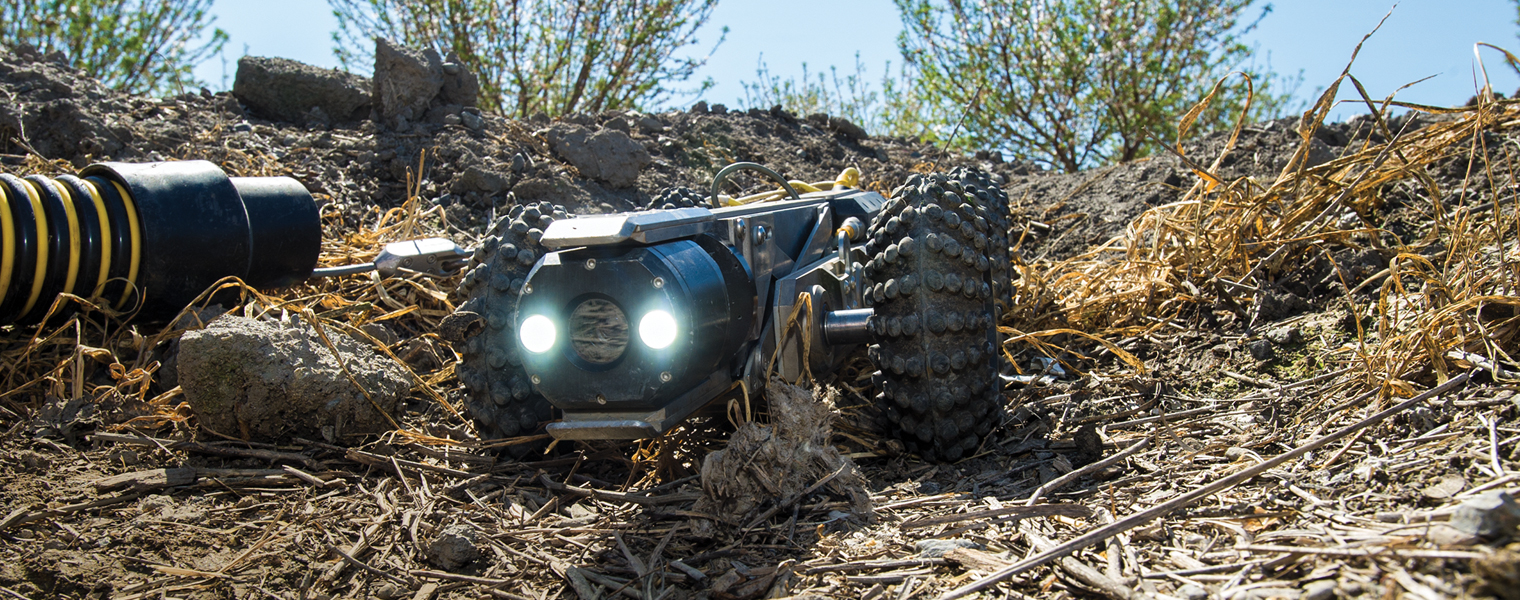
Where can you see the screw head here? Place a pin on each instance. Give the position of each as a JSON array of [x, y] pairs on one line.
[[601, 399], [665, 376], [527, 288], [535, 379], [590, 264], [659, 283]]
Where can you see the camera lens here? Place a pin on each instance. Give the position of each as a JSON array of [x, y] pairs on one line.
[[598, 331]]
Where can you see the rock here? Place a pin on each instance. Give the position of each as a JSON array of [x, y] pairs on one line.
[[460, 85], [1192, 591], [257, 380], [1445, 488], [1283, 336], [1278, 305], [608, 155], [650, 125], [1491, 515], [1444, 535], [938, 548], [1323, 589], [847, 128], [472, 120], [406, 81], [281, 89], [1261, 350], [482, 180], [454, 548]]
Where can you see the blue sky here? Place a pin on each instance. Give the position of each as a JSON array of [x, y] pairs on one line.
[[1422, 38]]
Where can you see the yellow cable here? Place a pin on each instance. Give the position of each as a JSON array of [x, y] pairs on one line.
[[849, 177], [105, 238], [74, 242], [136, 243], [40, 218], [8, 249]]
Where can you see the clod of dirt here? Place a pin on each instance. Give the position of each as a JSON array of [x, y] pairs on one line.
[[258, 380], [1491, 515], [454, 547], [774, 464], [413, 85], [406, 80], [286, 90], [608, 155]]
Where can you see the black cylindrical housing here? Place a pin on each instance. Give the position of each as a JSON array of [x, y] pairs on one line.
[[700, 283], [149, 237], [285, 229]]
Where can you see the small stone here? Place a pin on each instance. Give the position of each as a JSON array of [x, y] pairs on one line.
[[1323, 589], [472, 120], [1445, 488], [1262, 350], [243, 127], [454, 547], [1490, 515], [1283, 335], [389, 591], [938, 548], [452, 120], [1221, 350], [650, 125], [1192, 591], [1389, 517], [1234, 453]]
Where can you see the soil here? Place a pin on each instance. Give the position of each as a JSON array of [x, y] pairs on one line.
[[109, 487]]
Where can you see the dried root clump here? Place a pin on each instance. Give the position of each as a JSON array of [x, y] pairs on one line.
[[771, 467]]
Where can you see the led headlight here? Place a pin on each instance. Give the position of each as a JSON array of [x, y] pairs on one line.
[[657, 329], [537, 334]]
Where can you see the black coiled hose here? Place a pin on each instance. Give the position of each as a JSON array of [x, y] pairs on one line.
[[148, 237]]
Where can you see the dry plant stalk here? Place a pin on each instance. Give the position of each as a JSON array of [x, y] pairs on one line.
[[1453, 289]]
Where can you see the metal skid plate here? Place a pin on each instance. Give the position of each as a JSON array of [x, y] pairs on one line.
[[637, 425], [648, 227]]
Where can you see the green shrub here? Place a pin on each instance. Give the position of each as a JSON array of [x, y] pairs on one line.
[[550, 56], [138, 46]]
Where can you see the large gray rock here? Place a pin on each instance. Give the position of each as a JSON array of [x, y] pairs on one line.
[[258, 380], [1491, 515], [406, 82], [281, 89], [608, 155]]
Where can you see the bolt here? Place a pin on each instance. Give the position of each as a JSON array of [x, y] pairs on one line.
[[600, 399], [665, 376], [659, 283], [590, 264], [761, 233], [527, 288], [535, 379]]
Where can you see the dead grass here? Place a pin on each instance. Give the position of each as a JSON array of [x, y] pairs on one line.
[[1224, 243]]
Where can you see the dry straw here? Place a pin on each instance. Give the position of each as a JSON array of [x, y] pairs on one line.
[[1450, 290]]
